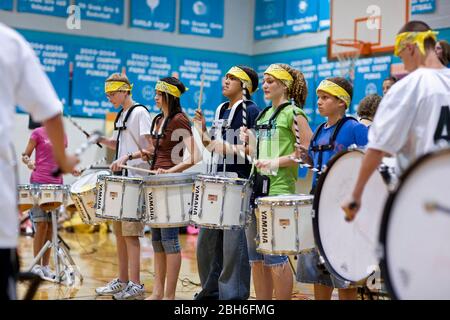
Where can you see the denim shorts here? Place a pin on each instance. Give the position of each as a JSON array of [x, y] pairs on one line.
[[39, 215], [269, 260], [165, 240], [309, 270]]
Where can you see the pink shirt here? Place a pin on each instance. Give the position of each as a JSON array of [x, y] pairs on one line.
[[45, 163]]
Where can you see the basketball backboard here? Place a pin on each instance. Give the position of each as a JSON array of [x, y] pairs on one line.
[[365, 27]]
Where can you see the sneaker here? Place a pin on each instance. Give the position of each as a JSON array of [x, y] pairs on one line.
[[114, 286], [132, 292], [47, 273]]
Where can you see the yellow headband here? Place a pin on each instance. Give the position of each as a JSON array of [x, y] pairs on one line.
[[111, 86], [335, 90], [279, 73], [243, 76], [417, 38], [168, 88]]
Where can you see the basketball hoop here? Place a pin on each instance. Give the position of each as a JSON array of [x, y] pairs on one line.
[[347, 59]]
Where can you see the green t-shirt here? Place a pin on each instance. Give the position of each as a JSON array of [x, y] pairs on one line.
[[279, 142]]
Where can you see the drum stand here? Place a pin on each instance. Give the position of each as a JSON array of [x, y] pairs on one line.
[[65, 268]]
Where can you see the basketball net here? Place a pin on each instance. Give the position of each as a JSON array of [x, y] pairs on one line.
[[348, 59]]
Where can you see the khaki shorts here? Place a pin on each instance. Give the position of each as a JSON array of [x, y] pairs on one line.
[[128, 229]]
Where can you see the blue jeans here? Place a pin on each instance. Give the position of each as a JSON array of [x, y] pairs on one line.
[[269, 260], [165, 240], [223, 265]]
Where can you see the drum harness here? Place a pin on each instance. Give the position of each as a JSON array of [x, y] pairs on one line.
[[321, 148], [123, 127]]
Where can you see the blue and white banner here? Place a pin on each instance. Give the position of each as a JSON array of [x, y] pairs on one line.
[[269, 19], [144, 69], [324, 15], [308, 66], [153, 14], [301, 16], [55, 59], [92, 66], [202, 17], [423, 6], [108, 11], [6, 5], [190, 71], [369, 76], [48, 7]]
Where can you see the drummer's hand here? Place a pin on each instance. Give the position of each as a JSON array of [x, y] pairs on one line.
[[243, 135], [199, 119], [116, 165], [31, 165], [265, 165], [351, 208], [301, 152], [69, 164], [162, 171], [76, 173], [146, 155]]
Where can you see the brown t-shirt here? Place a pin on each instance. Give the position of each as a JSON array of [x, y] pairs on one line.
[[171, 145]]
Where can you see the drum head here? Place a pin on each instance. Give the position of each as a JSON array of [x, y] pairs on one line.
[[306, 198], [87, 181], [349, 249], [415, 233]]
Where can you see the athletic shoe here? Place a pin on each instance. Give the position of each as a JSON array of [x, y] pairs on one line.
[[113, 287], [132, 292]]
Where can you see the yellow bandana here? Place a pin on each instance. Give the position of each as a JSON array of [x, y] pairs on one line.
[[417, 38], [168, 88], [279, 73], [335, 90], [243, 76], [111, 86]]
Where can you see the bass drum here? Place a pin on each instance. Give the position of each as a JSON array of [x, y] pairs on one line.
[[348, 249], [415, 231]]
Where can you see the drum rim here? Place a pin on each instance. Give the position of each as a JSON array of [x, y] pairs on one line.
[[49, 186], [387, 214], [261, 200], [315, 216], [219, 179], [132, 180]]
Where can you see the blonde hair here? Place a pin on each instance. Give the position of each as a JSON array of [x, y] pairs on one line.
[[299, 90], [118, 77]]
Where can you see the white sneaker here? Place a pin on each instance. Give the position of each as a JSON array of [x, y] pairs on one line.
[[47, 273], [114, 286], [132, 292]]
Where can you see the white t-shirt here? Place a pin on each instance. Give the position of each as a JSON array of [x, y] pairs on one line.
[[407, 119], [24, 83], [139, 123]]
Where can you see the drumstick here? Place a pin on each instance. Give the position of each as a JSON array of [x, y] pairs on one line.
[[297, 130], [81, 129], [137, 169], [200, 97], [93, 138], [307, 166], [138, 145], [433, 206]]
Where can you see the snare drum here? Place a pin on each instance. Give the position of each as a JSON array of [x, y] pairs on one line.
[[27, 196], [284, 224], [221, 202], [119, 198], [168, 199], [83, 193], [348, 249], [51, 196], [415, 233]]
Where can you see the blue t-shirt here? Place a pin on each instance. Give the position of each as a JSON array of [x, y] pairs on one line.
[[351, 132], [243, 170]]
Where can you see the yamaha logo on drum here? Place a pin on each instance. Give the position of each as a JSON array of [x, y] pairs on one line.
[[196, 200], [151, 205], [264, 231]]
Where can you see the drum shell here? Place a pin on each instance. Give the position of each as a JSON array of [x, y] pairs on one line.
[[27, 196], [221, 202], [51, 196]]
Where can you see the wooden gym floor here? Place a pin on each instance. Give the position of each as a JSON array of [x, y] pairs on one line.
[[95, 256]]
